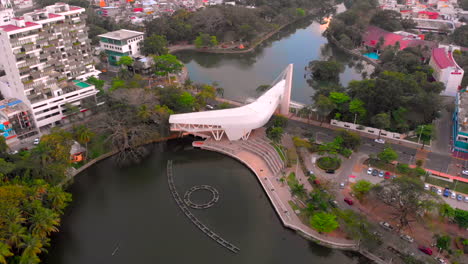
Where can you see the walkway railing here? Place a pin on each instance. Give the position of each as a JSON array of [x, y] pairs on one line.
[[195, 221]]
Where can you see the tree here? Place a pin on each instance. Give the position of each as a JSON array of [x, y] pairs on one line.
[[4, 252], [204, 39], [84, 135], [155, 45], [361, 188], [443, 242], [356, 106], [339, 99], [167, 64], [3, 145], [460, 36], [117, 83], [126, 61], [44, 221], [324, 106], [207, 92], [324, 222], [461, 217], [408, 198], [387, 19], [32, 247], [425, 133], [326, 71], [350, 140], [387, 155], [246, 32], [298, 189], [98, 83], [279, 121], [275, 133], [381, 121]]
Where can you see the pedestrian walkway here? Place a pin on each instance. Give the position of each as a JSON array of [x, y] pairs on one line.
[[278, 192]]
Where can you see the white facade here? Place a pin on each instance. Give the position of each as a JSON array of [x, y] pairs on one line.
[[5, 16], [122, 43], [41, 52], [446, 70], [237, 123]]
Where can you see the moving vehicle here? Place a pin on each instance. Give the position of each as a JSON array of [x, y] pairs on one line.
[[407, 238], [386, 226], [381, 174], [446, 192], [36, 141], [369, 171], [379, 140], [375, 172], [348, 201], [425, 250]]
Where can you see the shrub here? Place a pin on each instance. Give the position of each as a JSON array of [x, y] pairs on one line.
[[299, 142], [292, 157], [403, 168], [328, 163], [346, 152]]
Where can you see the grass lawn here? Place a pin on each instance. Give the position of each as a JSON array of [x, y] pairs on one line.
[[457, 186], [292, 180], [280, 151]]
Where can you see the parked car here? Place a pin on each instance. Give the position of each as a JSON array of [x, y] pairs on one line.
[[14, 152], [342, 185], [381, 174], [459, 197], [333, 203], [439, 192], [386, 226], [369, 171], [441, 261], [426, 250], [210, 107], [330, 171], [375, 172], [348, 201], [379, 140], [453, 195], [377, 234], [407, 238], [426, 187], [311, 172], [316, 182], [387, 175], [36, 141], [466, 199], [465, 172], [446, 192]]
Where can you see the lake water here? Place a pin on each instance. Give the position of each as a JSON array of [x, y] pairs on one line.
[[130, 212], [241, 74]]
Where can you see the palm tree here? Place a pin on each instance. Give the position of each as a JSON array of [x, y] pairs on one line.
[[144, 112], [84, 135], [298, 189], [15, 235], [4, 252], [32, 246], [44, 221], [58, 198]]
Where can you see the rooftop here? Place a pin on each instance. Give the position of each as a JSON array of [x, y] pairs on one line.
[[373, 34], [9, 28], [121, 34], [463, 112], [11, 106], [441, 58]]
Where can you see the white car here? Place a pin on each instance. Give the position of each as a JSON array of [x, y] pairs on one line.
[[426, 186], [441, 260], [369, 171], [453, 195], [407, 238], [210, 107], [466, 199], [386, 225], [465, 172], [381, 174], [342, 185], [439, 191], [36, 141], [379, 140]]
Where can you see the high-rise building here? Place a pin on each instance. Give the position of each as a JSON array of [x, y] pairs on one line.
[[45, 58]]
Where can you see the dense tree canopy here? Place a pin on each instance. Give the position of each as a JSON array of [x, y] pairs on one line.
[[460, 36]]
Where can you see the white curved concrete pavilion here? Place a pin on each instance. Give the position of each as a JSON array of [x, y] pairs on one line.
[[237, 123]]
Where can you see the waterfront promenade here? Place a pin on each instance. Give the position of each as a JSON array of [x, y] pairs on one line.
[[278, 193]]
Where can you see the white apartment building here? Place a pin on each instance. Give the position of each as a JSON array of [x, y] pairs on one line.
[[44, 55], [121, 43], [6, 14], [446, 70]]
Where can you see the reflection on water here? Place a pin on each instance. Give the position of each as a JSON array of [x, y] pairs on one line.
[[241, 74]]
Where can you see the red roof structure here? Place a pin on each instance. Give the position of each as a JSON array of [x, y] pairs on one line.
[[441, 58], [373, 34], [9, 28], [430, 15]]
